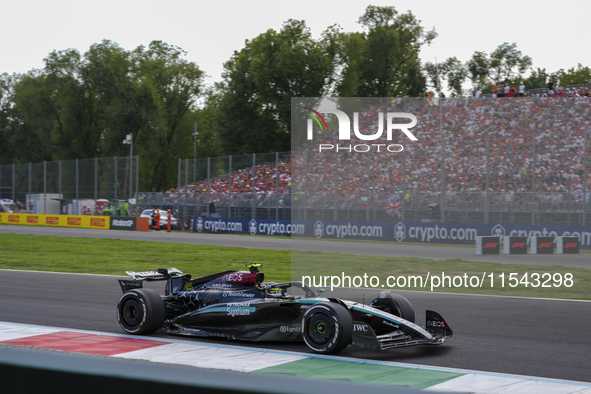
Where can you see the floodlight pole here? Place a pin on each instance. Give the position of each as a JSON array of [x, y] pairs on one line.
[[585, 175], [129, 141], [487, 178], [195, 134], [533, 193], [440, 102]]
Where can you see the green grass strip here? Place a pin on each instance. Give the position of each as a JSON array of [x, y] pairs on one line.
[[114, 256], [551, 281], [329, 369]]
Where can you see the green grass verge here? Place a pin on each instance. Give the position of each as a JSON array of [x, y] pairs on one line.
[[113, 256], [546, 286]]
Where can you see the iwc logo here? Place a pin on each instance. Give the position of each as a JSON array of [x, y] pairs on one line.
[[252, 227], [318, 229], [399, 231]]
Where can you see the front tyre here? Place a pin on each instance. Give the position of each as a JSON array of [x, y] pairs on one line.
[[327, 327], [141, 311], [394, 304]]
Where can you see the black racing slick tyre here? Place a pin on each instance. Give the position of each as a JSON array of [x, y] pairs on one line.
[[141, 311], [327, 327], [394, 304]]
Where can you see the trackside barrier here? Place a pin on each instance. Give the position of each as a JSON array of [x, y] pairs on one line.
[[131, 223], [514, 245], [542, 245], [123, 223], [488, 245], [27, 371], [80, 221], [143, 224], [388, 231], [567, 245]]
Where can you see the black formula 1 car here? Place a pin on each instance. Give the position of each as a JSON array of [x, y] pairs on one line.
[[239, 305]]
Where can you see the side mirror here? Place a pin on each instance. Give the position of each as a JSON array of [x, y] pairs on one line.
[[163, 271]]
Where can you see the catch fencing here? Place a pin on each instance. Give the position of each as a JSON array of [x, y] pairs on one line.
[[66, 186]]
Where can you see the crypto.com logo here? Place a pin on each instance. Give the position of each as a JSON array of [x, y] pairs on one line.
[[345, 130]]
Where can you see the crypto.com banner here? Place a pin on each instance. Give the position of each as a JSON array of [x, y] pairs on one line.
[[435, 233], [283, 228]]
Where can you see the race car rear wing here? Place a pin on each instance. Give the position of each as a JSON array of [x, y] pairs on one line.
[[159, 274]]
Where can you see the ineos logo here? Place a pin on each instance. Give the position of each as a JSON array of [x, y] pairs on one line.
[[436, 323], [232, 278]]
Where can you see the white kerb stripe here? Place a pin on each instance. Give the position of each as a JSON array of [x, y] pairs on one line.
[[212, 358], [489, 384]]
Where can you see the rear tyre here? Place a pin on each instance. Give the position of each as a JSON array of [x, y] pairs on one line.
[[141, 311], [327, 327], [394, 304]]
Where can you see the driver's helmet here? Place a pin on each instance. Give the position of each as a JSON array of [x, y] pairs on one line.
[[274, 291]]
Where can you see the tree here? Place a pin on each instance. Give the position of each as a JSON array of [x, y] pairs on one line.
[[456, 75], [83, 106], [379, 61], [58, 108], [538, 78], [503, 64], [205, 117], [479, 69], [507, 62], [173, 85], [576, 76], [452, 70], [123, 101], [18, 144], [259, 82]]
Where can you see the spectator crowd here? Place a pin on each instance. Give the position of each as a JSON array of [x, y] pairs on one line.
[[524, 142]]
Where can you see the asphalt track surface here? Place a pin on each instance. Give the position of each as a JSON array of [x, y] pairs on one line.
[[582, 260], [534, 337]]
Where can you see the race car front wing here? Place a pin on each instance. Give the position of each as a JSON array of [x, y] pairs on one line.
[[436, 331]]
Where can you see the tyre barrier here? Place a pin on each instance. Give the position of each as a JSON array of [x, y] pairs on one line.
[[488, 245], [514, 245], [542, 245], [518, 245], [567, 245]]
